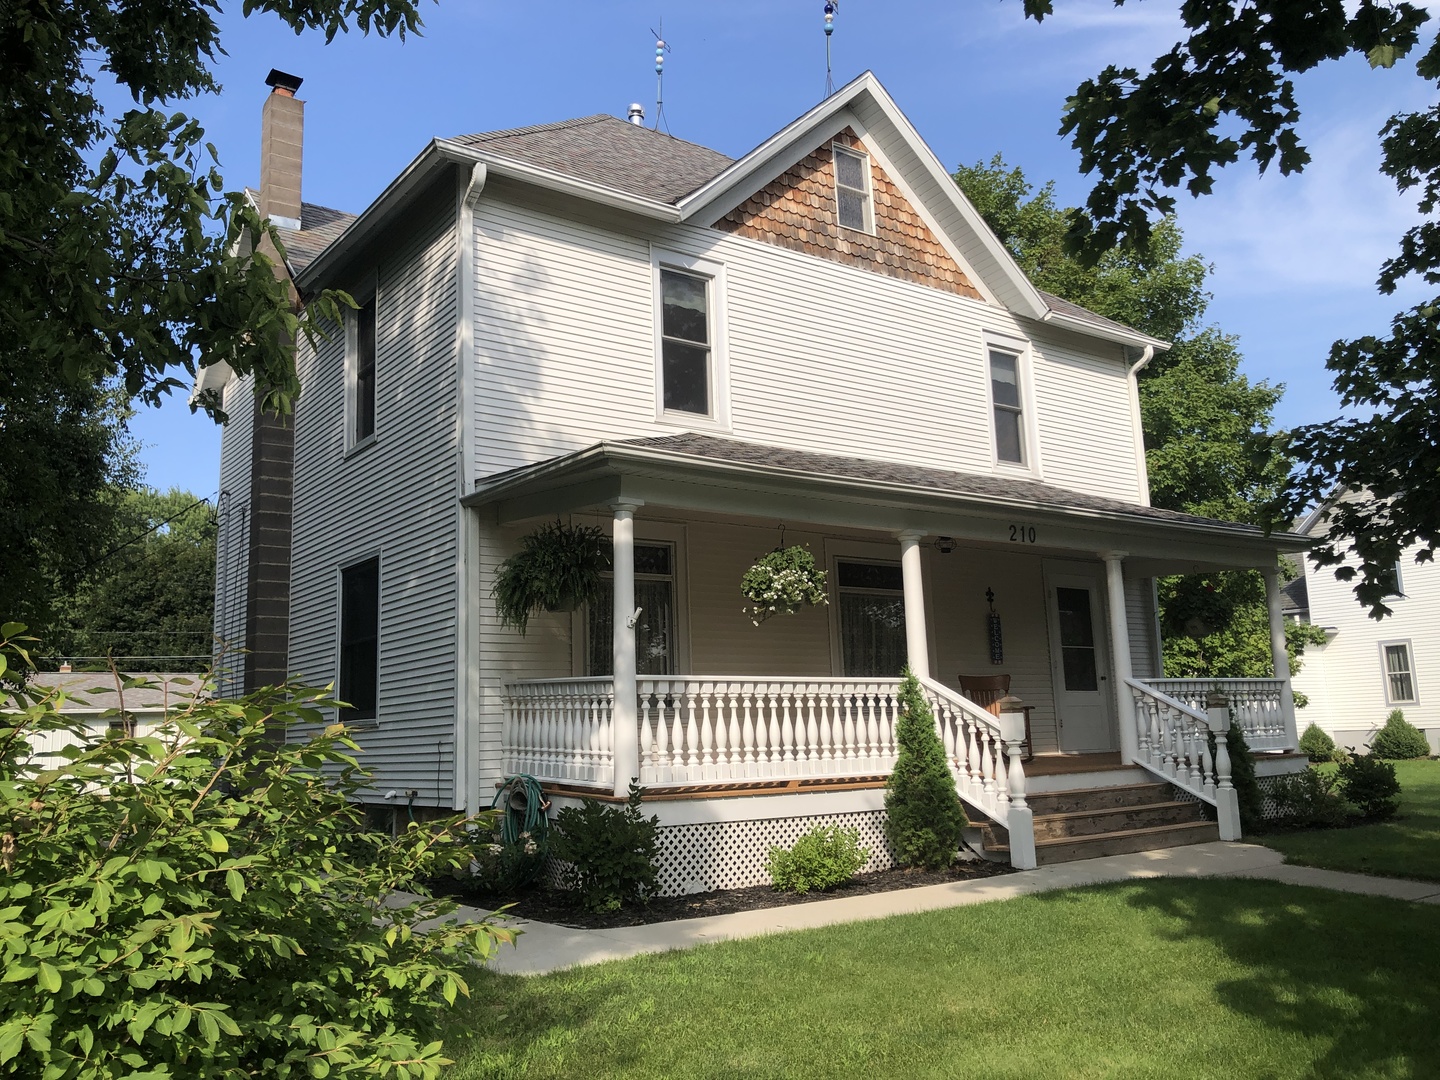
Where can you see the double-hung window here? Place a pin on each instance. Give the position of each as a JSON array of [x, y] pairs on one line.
[[655, 632], [362, 375], [1399, 663], [872, 618], [690, 367], [1007, 406], [852, 190], [359, 682]]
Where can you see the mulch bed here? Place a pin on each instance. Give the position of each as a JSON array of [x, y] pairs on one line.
[[550, 906]]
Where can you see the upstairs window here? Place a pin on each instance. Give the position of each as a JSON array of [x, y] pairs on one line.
[[685, 343], [852, 190], [362, 391], [359, 682], [1009, 412], [1399, 673], [1390, 579]]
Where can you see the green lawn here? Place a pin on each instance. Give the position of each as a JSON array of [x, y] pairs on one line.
[[1226, 979], [1407, 846]]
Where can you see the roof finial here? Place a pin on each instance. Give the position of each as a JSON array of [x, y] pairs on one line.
[[660, 50], [831, 7]]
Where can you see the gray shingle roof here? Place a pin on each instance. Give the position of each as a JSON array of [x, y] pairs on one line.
[[320, 226], [939, 480], [608, 151], [87, 690], [1061, 306]]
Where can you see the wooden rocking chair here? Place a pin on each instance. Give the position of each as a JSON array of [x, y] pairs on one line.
[[987, 691]]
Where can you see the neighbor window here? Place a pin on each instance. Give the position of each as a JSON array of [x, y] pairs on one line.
[[1005, 400], [359, 640], [872, 619], [685, 342], [363, 390], [1399, 672], [655, 632], [852, 189]]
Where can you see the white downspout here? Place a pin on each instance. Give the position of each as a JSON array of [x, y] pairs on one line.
[[1137, 427], [466, 793]]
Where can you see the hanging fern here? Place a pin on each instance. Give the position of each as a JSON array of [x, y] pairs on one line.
[[558, 567]]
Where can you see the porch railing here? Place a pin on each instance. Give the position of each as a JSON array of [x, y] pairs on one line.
[[1173, 740], [708, 729], [1259, 706], [711, 730]]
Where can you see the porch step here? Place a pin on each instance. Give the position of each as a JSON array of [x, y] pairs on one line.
[[1090, 800], [1072, 848], [1091, 822]]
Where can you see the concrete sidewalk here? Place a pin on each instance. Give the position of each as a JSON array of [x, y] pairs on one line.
[[544, 947]]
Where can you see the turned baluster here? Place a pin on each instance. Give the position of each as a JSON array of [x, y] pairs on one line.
[[811, 754], [773, 753], [787, 729]]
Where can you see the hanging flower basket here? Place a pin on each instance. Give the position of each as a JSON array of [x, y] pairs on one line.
[[783, 582], [557, 568]]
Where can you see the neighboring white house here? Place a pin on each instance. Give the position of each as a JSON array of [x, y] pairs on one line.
[[1367, 668], [98, 701], [595, 321]]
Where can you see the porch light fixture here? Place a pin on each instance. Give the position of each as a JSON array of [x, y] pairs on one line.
[[945, 544]]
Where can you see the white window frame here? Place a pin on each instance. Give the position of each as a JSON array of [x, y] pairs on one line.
[[866, 551], [359, 559], [1385, 672], [1029, 425], [718, 419], [1399, 593], [646, 532], [836, 149], [366, 292]]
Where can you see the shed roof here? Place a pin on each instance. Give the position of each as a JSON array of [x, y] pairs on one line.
[[88, 691]]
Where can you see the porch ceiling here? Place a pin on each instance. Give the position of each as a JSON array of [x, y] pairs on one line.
[[704, 473]]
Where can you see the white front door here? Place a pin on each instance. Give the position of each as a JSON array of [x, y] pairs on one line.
[[1080, 660]]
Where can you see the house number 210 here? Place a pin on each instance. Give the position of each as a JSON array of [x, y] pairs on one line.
[[1022, 534]]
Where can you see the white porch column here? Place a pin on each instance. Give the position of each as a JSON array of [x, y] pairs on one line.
[[917, 649], [625, 713], [1279, 654], [1120, 653]]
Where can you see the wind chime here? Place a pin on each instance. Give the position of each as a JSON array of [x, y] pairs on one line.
[[992, 626]]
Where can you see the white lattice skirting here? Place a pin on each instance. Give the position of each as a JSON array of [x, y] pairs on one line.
[[732, 854]]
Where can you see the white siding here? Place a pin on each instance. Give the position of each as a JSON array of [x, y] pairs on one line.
[[822, 356], [395, 498], [232, 548], [1140, 621], [1344, 678]]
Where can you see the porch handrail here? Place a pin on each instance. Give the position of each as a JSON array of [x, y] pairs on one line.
[[977, 745], [1258, 705]]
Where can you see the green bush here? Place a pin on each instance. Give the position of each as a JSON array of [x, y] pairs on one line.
[[923, 815], [1308, 798], [610, 852], [823, 858], [205, 902], [1399, 740], [1316, 745], [1370, 783]]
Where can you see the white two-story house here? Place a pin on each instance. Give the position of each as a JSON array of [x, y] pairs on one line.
[[821, 340], [1368, 668]]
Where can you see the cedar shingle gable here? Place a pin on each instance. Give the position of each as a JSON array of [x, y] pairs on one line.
[[797, 210]]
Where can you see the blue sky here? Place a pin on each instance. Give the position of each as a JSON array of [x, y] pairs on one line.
[[1295, 258]]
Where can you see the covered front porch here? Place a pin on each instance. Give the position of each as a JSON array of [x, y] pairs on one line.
[[672, 685]]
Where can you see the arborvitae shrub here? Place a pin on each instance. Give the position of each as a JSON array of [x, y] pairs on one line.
[[1399, 740], [1316, 745], [823, 858], [1370, 783], [923, 815]]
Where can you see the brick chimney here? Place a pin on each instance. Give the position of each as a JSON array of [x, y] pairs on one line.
[[282, 140], [272, 437]]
